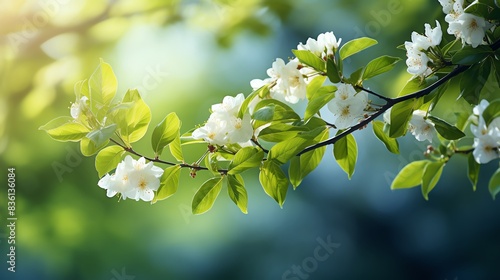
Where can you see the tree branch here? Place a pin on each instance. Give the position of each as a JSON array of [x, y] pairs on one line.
[[390, 103]]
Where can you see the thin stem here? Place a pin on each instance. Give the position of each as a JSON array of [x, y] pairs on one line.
[[259, 145], [183, 165], [373, 93]]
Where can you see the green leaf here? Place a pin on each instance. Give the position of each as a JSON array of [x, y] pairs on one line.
[[410, 176], [278, 132], [169, 183], [390, 143], [332, 71], [401, 114], [355, 78], [304, 164], [100, 136], [355, 46], [379, 65], [319, 100], [313, 86], [165, 132], [205, 197], [431, 175], [491, 112], [102, 85], [280, 111], [175, 148], [416, 84], [446, 130], [237, 192], [494, 185], [308, 58], [478, 9], [345, 151], [262, 91], [473, 80], [285, 150], [108, 159], [65, 129], [469, 55], [273, 181], [246, 158], [133, 122], [265, 114], [473, 171], [89, 148]]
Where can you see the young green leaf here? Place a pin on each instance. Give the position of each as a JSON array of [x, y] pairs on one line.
[[332, 71], [65, 129], [237, 192], [273, 181], [89, 148], [473, 171], [401, 114], [102, 85], [175, 147], [165, 132], [390, 143], [274, 110], [169, 183], [107, 159], [310, 59], [431, 175], [304, 164], [314, 85], [319, 100], [355, 46], [278, 132], [246, 158], [205, 197], [494, 184], [470, 88], [410, 176], [379, 65], [132, 122], [446, 130], [264, 114], [345, 151], [99, 136], [262, 91], [285, 150]]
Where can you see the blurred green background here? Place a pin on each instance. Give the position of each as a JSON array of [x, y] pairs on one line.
[[184, 56]]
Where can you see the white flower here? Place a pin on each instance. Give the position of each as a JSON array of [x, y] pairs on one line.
[[324, 45], [133, 179], [447, 5], [312, 45], [329, 42], [78, 107], [456, 10], [347, 106], [470, 28], [289, 83], [417, 61], [486, 149], [224, 126], [420, 127]]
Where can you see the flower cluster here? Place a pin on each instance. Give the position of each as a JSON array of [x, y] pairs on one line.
[[421, 127], [348, 106], [416, 50], [224, 126], [468, 27], [487, 137], [288, 82], [325, 45], [133, 179]]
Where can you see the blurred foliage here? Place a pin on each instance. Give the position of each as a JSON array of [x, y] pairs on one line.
[[69, 229]]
